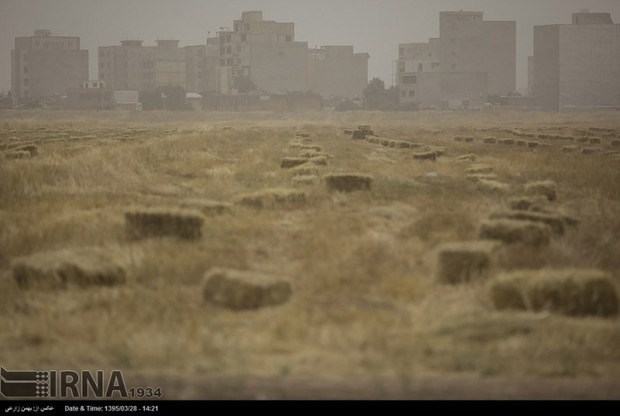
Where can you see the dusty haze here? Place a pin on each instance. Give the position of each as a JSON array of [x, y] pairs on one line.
[[372, 26]]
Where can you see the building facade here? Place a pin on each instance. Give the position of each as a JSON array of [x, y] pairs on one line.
[[471, 59], [44, 66], [577, 65], [131, 66], [337, 72]]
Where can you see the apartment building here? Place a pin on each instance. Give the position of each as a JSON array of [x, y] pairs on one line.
[[44, 66], [577, 65]]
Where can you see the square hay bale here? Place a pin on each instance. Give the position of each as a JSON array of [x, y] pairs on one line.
[[273, 199], [308, 153], [63, 269], [302, 133], [583, 139], [469, 139], [311, 147], [570, 149], [359, 135], [17, 154], [31, 148], [291, 162], [521, 142], [544, 188], [425, 156], [459, 138], [207, 206], [615, 143], [305, 169], [555, 222], [461, 262], [384, 142], [595, 140], [516, 231], [506, 141], [489, 140], [572, 292], [493, 186], [479, 169], [526, 202], [143, 223], [319, 160], [244, 290], [466, 158], [348, 182], [439, 150], [476, 177], [305, 180], [391, 143], [532, 145], [402, 144], [364, 127], [590, 150], [348, 132]]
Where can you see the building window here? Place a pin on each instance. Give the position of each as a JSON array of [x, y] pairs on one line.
[[403, 94], [289, 38], [401, 51], [25, 81], [409, 79], [228, 38], [411, 93], [25, 70], [243, 38], [228, 49], [420, 67]]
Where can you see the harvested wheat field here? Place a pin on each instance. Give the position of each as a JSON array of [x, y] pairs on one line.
[[192, 256]]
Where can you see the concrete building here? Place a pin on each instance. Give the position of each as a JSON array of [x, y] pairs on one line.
[[131, 66], [337, 72], [471, 59], [577, 65], [470, 44], [265, 54], [44, 66], [196, 68], [91, 95]]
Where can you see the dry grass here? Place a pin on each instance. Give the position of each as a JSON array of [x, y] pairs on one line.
[[365, 302]]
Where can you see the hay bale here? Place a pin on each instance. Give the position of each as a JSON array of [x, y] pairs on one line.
[[305, 180], [82, 267], [466, 158], [319, 160], [359, 135], [273, 199], [291, 162], [582, 139], [384, 142], [17, 154], [364, 127], [469, 139], [525, 203], [305, 169], [516, 231], [348, 182], [459, 138], [590, 150], [572, 292], [208, 207], [521, 142], [493, 185], [311, 147], [461, 262], [391, 143], [403, 144], [506, 141], [348, 132], [302, 133], [31, 148], [439, 151], [143, 223], [532, 145], [476, 177], [544, 188], [489, 140], [425, 156], [615, 143], [308, 153], [555, 222], [479, 169], [595, 140], [570, 149], [244, 290]]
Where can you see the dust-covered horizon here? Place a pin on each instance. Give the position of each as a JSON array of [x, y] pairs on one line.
[[372, 26]]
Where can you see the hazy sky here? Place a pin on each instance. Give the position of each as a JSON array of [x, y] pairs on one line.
[[373, 26]]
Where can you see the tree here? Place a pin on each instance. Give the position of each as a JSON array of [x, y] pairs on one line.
[[374, 94]]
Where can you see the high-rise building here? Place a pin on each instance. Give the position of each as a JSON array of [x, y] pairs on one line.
[[577, 65], [131, 66], [337, 72], [44, 66], [471, 58]]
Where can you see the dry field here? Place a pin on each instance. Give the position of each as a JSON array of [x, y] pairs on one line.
[[372, 310]]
